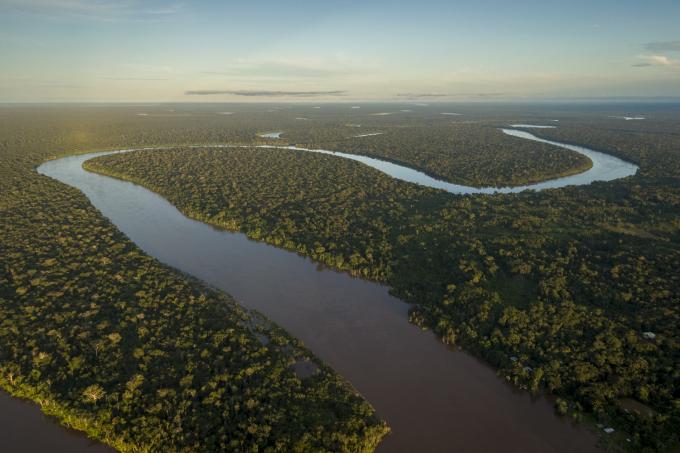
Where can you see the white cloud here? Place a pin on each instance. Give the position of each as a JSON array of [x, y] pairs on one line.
[[660, 59], [656, 60]]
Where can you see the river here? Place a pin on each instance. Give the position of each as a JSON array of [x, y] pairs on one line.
[[24, 429], [433, 398], [605, 166]]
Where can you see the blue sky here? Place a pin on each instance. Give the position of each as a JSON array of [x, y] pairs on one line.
[[135, 50]]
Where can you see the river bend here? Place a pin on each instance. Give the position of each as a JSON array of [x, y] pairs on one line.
[[433, 398]]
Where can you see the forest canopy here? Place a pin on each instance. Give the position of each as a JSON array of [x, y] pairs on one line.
[[133, 353], [557, 289]]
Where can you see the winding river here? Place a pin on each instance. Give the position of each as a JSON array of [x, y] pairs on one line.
[[605, 166], [434, 399]]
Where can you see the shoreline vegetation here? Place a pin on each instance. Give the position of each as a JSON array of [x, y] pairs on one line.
[[221, 373], [310, 203], [104, 319], [556, 290], [472, 155]]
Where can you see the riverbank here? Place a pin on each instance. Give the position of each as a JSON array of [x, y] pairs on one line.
[[354, 325]]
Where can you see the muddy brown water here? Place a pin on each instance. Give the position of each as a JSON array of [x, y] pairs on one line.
[[433, 398], [24, 429]]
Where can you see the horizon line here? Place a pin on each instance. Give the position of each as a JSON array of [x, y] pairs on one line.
[[366, 101]]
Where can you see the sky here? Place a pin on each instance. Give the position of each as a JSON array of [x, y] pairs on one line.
[[261, 50]]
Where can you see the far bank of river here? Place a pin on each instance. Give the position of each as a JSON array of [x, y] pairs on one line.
[[605, 167], [433, 398]]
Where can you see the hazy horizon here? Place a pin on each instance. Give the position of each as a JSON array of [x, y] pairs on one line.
[[160, 51]]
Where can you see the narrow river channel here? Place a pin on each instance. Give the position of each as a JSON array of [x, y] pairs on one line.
[[433, 398], [605, 168]]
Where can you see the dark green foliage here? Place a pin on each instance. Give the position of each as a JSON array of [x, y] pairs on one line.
[[556, 289], [564, 282], [133, 353], [469, 154]]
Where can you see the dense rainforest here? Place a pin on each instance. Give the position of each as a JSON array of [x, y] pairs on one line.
[[478, 155], [131, 352], [572, 291]]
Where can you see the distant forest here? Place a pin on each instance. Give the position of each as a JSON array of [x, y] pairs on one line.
[[570, 291]]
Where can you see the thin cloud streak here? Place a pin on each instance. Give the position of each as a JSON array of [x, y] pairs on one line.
[[134, 78], [454, 95], [422, 95], [265, 93], [656, 60]]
